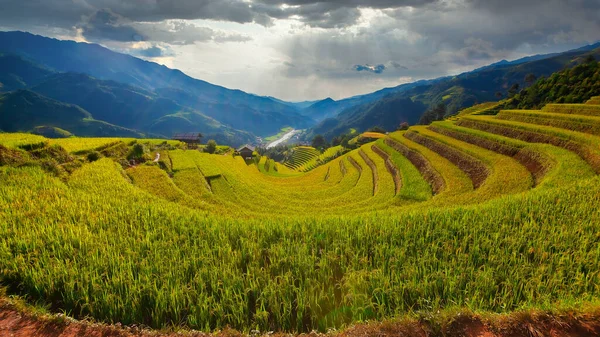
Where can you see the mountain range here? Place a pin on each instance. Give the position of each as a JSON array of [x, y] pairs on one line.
[[88, 90], [127, 91], [407, 103]]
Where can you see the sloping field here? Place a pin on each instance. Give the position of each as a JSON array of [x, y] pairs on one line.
[[16, 140], [494, 214], [302, 155], [374, 135], [324, 157], [479, 109]]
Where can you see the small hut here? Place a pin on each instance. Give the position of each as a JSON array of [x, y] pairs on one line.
[[190, 138], [246, 151]]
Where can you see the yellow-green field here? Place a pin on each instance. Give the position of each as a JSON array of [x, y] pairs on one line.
[[485, 213]]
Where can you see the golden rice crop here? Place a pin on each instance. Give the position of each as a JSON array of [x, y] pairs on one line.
[[209, 241]]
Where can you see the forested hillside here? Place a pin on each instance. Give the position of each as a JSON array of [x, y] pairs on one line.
[[575, 85], [116, 82]]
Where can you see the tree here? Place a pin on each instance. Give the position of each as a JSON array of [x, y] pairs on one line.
[[211, 146], [590, 59], [530, 78], [346, 141], [139, 153], [403, 126], [377, 129], [514, 89], [499, 95], [319, 142], [337, 140], [435, 114]]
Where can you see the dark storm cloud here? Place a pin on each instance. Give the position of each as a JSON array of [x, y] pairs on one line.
[[180, 32], [324, 14], [352, 3], [329, 14], [444, 38], [378, 69], [106, 25]]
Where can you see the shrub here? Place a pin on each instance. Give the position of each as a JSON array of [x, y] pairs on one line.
[[211, 146], [93, 156]]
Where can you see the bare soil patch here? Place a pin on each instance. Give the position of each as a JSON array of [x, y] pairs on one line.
[[16, 323]]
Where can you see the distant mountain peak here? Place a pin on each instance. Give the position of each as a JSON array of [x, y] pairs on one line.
[[322, 102]]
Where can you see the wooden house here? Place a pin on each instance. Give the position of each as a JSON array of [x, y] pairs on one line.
[[246, 151], [190, 138]]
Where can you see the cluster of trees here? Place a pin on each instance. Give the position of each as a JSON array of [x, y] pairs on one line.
[[320, 143], [278, 153], [574, 85], [432, 115]]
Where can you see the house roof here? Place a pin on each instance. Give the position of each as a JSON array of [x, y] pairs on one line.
[[187, 136], [249, 147]]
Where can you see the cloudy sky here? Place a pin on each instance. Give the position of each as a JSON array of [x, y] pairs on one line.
[[312, 49]]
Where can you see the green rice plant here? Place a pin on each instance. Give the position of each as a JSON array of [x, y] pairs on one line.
[[155, 181], [414, 187]]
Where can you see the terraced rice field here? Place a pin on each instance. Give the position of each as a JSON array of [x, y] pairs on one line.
[[479, 109], [488, 213], [373, 135], [324, 157], [301, 156]]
